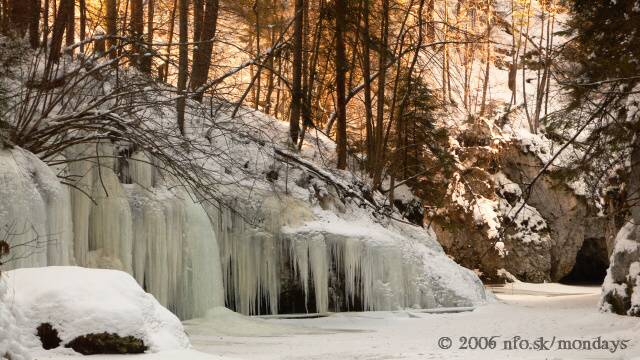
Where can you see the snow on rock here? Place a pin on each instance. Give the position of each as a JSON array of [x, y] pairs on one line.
[[379, 262], [79, 301], [621, 287]]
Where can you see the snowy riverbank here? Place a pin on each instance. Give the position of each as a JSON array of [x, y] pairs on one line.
[[525, 310]]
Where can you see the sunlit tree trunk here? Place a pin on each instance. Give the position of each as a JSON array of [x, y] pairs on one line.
[[382, 78], [341, 68], [172, 23], [147, 59], [366, 74], [485, 84], [83, 23], [296, 86], [136, 27], [202, 57], [183, 61], [59, 26], [112, 26], [258, 83]]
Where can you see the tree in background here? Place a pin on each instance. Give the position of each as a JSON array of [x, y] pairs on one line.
[[603, 82]]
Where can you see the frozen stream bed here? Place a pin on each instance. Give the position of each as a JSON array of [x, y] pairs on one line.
[[527, 310]]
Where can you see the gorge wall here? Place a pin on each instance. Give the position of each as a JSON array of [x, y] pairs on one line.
[[555, 235]]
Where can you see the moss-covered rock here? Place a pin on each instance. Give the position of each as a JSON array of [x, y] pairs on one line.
[[105, 343]]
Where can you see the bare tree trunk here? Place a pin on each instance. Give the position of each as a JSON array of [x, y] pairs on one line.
[[183, 61], [540, 80], [71, 25], [308, 71], [147, 59], [172, 23], [112, 26], [366, 74], [513, 70], [34, 24], [548, 64], [19, 16], [202, 58], [270, 82], [198, 18], [524, 80], [382, 78], [341, 68], [59, 25], [431, 26], [136, 27], [487, 68], [401, 142], [256, 99], [83, 23], [296, 86], [276, 107], [45, 23]]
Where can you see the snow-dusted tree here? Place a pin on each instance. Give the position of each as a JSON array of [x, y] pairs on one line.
[[604, 84]]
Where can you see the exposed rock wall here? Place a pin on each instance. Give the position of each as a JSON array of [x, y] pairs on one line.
[[564, 211], [481, 227]]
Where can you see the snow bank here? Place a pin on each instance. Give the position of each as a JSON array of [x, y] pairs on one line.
[[621, 287], [12, 337], [220, 321], [78, 301]]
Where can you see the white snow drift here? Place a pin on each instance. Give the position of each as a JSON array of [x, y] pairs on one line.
[[79, 301]]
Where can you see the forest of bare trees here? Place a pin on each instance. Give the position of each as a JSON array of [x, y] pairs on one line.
[[370, 74]]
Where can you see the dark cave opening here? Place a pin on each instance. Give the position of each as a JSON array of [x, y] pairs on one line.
[[591, 264]]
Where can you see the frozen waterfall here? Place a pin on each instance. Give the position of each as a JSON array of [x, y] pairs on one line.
[[162, 237], [124, 213]]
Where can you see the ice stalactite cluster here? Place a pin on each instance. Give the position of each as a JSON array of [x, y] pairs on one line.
[[149, 228], [372, 265], [34, 212]]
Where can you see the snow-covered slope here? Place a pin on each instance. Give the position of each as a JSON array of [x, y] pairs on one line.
[[303, 229]]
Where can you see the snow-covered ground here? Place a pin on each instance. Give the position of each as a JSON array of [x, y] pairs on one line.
[[553, 312]]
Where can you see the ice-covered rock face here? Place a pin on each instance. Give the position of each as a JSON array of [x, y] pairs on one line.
[[160, 236], [77, 301], [295, 256], [34, 212], [337, 264]]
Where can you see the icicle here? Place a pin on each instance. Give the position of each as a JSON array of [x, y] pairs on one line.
[[201, 274], [319, 266], [173, 209], [59, 220], [110, 225], [23, 209], [81, 177], [141, 170]]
